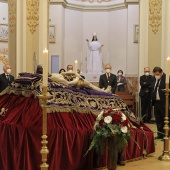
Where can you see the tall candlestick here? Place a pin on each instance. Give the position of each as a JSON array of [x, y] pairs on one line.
[[167, 70], [76, 63], [45, 67]]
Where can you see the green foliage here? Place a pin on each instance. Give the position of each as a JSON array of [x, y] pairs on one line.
[[110, 126]]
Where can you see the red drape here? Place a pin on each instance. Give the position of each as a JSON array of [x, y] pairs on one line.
[[68, 135]]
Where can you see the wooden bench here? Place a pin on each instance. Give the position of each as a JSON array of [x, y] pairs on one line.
[[129, 99]]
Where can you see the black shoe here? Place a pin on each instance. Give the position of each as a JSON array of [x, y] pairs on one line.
[[150, 122], [158, 137], [121, 163]]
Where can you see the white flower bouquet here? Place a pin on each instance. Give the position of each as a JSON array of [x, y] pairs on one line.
[[110, 125]]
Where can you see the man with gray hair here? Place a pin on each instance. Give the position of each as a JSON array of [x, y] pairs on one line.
[[108, 79], [5, 78]]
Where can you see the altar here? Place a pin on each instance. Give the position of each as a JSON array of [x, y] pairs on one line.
[[70, 126]]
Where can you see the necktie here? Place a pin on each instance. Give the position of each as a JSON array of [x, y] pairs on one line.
[[7, 76], [156, 90], [108, 77]]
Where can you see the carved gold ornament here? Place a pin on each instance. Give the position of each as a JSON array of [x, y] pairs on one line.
[[12, 15], [4, 51], [32, 14], [91, 1], [4, 59], [155, 7]]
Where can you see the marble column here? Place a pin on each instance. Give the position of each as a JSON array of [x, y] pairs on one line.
[[165, 32], [143, 35], [12, 4], [28, 33], [150, 46]]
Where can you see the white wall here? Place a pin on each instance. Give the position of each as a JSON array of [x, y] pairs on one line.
[[3, 20], [118, 39], [114, 29], [57, 18], [132, 48], [73, 41]]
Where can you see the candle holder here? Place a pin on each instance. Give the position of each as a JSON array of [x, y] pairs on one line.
[[44, 150], [166, 153]]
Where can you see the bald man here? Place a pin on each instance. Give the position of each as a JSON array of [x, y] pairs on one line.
[[5, 78], [108, 79]]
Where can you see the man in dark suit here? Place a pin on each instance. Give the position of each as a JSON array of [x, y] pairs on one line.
[[5, 78], [108, 79], [145, 94], [158, 99], [78, 71]]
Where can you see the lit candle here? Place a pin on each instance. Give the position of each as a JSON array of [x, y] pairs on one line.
[[167, 69], [45, 67], [76, 63]]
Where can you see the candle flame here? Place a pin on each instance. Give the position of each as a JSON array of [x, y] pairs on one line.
[[168, 58]]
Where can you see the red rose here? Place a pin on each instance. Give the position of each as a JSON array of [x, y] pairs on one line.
[[112, 134], [125, 123], [110, 110], [116, 119], [106, 114], [101, 122]]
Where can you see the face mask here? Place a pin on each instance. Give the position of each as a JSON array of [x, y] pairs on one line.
[[119, 74], [147, 74], [157, 77], [107, 70], [8, 71], [70, 70]]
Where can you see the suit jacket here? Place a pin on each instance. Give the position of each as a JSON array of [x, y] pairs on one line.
[[4, 82], [146, 85], [160, 87], [103, 82]]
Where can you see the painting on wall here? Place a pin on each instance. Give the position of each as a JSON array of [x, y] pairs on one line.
[[52, 34], [136, 33], [3, 32]]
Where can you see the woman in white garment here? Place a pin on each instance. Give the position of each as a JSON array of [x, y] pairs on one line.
[[94, 60]]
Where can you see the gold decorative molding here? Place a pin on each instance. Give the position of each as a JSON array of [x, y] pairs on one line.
[[32, 14], [4, 59], [91, 1], [4, 51], [155, 7], [12, 15]]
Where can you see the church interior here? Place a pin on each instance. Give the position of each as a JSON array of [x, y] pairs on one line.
[[47, 121]]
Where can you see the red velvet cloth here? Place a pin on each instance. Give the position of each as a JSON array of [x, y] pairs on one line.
[[68, 135]]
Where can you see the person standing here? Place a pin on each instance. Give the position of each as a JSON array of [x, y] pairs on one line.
[[69, 68], [121, 81], [5, 78], [94, 60], [108, 79], [145, 95], [158, 99]]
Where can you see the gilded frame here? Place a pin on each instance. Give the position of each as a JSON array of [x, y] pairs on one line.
[[52, 34], [136, 34], [4, 32]]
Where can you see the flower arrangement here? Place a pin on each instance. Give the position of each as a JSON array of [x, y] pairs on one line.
[[110, 125]]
